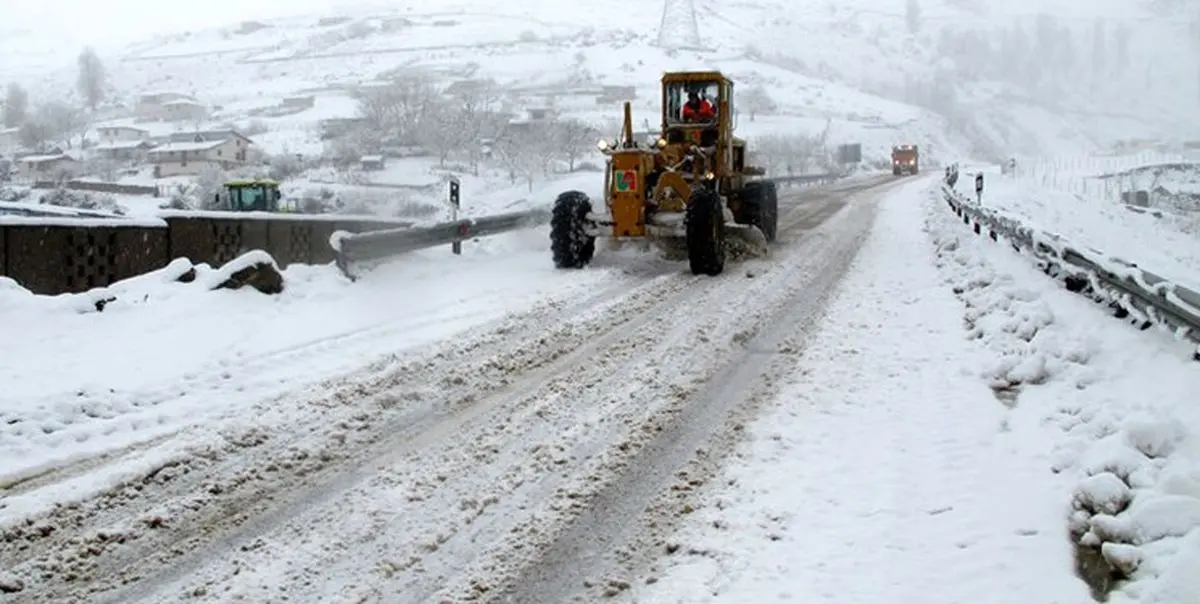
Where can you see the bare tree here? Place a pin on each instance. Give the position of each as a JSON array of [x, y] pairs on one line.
[[395, 109], [912, 16], [756, 100], [16, 106], [35, 134], [526, 152], [63, 121], [441, 132], [480, 119], [573, 139], [91, 79]]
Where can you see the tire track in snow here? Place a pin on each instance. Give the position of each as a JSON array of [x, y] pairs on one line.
[[179, 504], [502, 473], [252, 480], [626, 526]]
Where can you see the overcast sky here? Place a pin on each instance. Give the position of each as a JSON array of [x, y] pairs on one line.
[[111, 21]]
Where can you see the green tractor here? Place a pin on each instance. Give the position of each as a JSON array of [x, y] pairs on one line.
[[259, 195]]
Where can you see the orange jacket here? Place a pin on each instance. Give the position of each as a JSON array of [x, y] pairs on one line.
[[703, 111]]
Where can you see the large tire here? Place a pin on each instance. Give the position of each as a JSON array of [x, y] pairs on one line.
[[705, 224], [570, 243], [759, 207]]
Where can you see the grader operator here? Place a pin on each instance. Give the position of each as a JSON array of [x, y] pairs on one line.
[[690, 184]]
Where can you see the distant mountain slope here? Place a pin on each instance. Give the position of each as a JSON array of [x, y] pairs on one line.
[[989, 78]]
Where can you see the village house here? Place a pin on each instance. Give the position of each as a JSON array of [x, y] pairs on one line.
[[123, 151], [121, 134], [299, 103], [10, 140], [190, 153], [373, 163], [169, 107], [58, 166]]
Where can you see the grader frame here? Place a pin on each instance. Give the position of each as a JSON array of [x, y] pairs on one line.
[[690, 183]]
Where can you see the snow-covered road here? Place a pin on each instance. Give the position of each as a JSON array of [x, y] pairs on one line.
[[884, 471], [447, 470]]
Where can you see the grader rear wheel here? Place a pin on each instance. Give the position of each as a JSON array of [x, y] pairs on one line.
[[760, 208], [704, 222]]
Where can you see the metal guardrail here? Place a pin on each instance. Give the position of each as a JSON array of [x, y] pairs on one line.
[[804, 179], [1133, 293], [378, 245], [355, 249]]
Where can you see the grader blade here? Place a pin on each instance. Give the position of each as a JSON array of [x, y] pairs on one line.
[[745, 241]]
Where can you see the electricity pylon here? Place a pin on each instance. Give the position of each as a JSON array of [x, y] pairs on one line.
[[679, 28]]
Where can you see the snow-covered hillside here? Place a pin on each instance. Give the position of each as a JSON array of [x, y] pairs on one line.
[[964, 77]]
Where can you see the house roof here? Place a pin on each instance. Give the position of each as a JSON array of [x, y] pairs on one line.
[[201, 146], [41, 159], [121, 145], [197, 136], [162, 93], [122, 127]]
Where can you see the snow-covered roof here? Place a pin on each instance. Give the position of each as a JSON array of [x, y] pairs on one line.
[[171, 147], [197, 136], [41, 159], [182, 102], [122, 127], [372, 158], [121, 145]]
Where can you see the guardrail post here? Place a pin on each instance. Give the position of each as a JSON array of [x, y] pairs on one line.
[[455, 205]]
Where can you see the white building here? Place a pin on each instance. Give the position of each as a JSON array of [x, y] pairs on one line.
[[189, 154]]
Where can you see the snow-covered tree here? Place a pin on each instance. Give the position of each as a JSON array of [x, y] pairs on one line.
[[91, 79], [16, 106]]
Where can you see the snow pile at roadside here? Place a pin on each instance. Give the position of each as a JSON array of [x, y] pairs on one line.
[[1124, 401], [1165, 245]]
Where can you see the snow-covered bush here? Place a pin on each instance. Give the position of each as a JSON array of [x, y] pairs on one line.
[[14, 194], [82, 200]]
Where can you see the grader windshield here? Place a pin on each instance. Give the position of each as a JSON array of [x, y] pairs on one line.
[[692, 102]]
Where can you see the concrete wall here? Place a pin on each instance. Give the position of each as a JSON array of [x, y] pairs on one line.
[[64, 258]]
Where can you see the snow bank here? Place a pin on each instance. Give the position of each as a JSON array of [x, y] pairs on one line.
[[1124, 403]]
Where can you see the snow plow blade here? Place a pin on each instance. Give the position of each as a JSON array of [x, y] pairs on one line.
[[358, 252]]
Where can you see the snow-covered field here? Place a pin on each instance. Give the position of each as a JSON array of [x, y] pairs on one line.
[[1160, 243]]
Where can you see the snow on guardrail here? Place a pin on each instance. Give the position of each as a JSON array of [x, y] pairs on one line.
[[1133, 293]]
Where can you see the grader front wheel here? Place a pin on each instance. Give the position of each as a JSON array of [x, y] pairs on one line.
[[570, 243], [705, 226]]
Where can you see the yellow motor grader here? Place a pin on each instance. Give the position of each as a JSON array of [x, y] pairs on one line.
[[690, 184]]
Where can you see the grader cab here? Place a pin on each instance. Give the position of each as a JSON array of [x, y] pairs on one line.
[[689, 184]]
